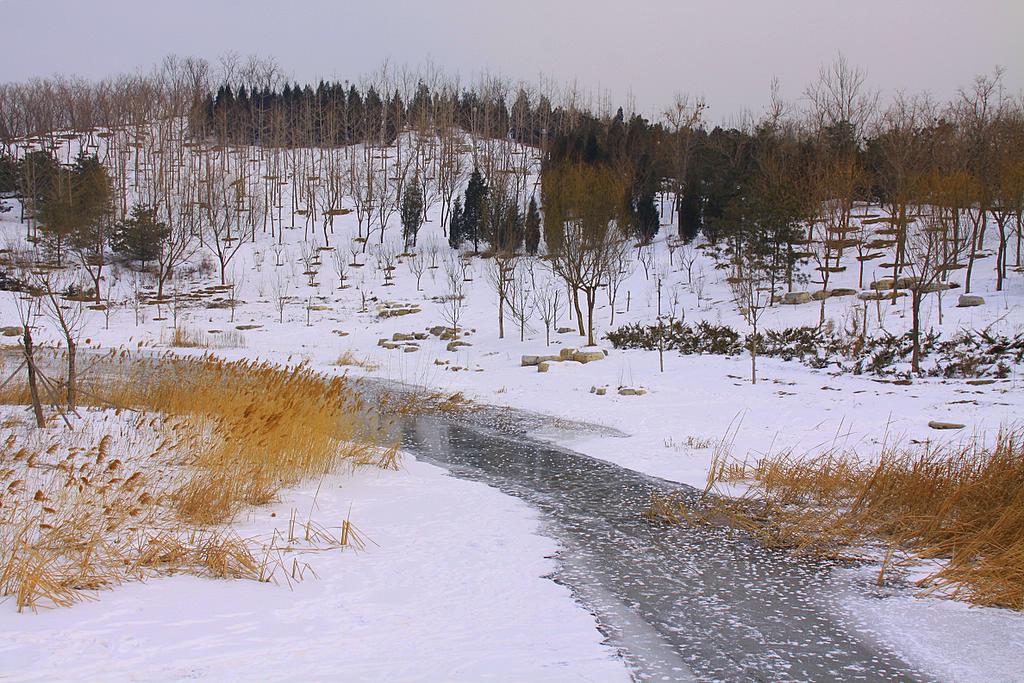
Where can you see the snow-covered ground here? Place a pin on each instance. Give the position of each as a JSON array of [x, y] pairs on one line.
[[449, 587], [452, 588]]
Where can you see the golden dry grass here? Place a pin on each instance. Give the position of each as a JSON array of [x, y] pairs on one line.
[[961, 505], [150, 485], [350, 359]]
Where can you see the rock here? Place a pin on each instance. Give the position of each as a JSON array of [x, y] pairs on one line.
[[530, 361], [420, 336], [401, 336], [565, 330], [843, 291], [438, 330], [908, 282], [588, 355], [820, 294], [884, 283], [793, 298], [869, 295], [390, 345], [970, 300], [566, 353], [601, 391], [410, 348], [629, 391], [543, 366], [934, 424], [438, 361], [11, 331], [980, 382], [939, 287], [456, 345]]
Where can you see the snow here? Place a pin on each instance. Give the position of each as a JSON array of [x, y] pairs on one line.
[[453, 587]]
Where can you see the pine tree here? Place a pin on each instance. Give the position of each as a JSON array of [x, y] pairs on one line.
[[139, 237], [455, 225], [476, 193], [532, 228], [412, 213]]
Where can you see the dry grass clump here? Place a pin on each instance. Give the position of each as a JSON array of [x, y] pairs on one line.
[[184, 337], [350, 359], [148, 487], [962, 505]]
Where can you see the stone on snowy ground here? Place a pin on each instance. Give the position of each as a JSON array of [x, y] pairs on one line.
[[631, 391], [438, 361], [410, 348], [939, 287], [11, 331], [390, 345], [588, 355], [884, 283], [843, 291], [601, 391], [820, 294], [934, 424], [793, 298], [969, 300], [402, 336], [565, 330], [456, 345], [544, 366], [566, 353]]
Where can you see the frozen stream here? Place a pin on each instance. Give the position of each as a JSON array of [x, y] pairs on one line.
[[680, 603]]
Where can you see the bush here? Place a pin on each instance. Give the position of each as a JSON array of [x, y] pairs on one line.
[[970, 353]]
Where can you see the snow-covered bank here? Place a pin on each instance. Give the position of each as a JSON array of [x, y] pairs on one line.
[[450, 588]]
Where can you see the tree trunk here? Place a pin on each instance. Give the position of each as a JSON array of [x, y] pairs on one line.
[[33, 386], [915, 331], [72, 374]]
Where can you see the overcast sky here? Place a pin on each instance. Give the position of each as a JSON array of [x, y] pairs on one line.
[[726, 51]]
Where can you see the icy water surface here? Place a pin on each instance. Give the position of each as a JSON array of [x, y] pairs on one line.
[[680, 603]]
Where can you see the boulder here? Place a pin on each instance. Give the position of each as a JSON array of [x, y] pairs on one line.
[[793, 298], [820, 294], [565, 330], [456, 345], [566, 353], [402, 336], [530, 361], [631, 391], [543, 366], [969, 300], [11, 331], [588, 355], [939, 287], [935, 424], [601, 391], [843, 291], [410, 348], [884, 283]]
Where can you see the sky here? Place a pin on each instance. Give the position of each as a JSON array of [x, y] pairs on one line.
[[643, 51]]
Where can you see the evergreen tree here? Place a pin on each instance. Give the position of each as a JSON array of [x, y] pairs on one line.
[[455, 225], [645, 218], [532, 228], [473, 208], [412, 213], [139, 237]]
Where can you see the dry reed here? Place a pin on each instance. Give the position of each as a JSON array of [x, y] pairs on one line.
[[962, 505]]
